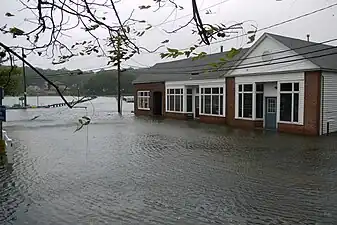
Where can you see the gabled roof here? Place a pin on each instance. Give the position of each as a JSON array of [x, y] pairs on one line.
[[180, 70], [311, 51]]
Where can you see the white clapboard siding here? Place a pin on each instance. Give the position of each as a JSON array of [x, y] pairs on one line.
[[329, 100], [280, 53]]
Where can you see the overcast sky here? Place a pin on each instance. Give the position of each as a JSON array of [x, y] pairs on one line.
[[261, 13]]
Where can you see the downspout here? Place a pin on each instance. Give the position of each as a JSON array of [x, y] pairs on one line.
[[322, 103]]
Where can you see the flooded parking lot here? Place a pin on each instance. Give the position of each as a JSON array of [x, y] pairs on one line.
[[127, 170]]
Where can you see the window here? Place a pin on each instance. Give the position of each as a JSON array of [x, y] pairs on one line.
[[271, 105], [189, 100], [212, 101], [259, 101], [143, 98], [245, 101], [174, 100], [289, 105]]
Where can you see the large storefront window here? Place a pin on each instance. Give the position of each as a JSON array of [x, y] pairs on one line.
[[245, 101], [246, 104], [289, 95], [212, 101], [174, 101], [143, 100]]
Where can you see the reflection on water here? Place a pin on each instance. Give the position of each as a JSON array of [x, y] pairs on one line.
[[143, 171]]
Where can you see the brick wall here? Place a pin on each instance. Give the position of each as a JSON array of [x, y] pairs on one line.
[[312, 105], [177, 116], [291, 128], [212, 119], [230, 100], [152, 87], [230, 109], [312, 102]]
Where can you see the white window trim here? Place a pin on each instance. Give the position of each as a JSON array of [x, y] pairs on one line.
[[238, 102], [144, 97], [174, 99], [292, 102], [223, 100]]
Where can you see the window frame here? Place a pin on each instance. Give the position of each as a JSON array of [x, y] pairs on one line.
[[292, 92], [187, 96], [202, 97], [256, 105], [143, 97], [242, 92], [174, 94]]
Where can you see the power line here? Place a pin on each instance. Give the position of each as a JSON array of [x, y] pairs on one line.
[[258, 56], [248, 66], [169, 21], [187, 15], [243, 66], [277, 24], [251, 65], [258, 30]]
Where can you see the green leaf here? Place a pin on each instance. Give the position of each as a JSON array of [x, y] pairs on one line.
[[213, 64], [233, 52], [172, 50], [187, 53], [9, 14], [144, 7], [16, 31], [223, 59], [163, 55]]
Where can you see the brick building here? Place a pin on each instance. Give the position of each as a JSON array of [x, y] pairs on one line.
[[279, 83]]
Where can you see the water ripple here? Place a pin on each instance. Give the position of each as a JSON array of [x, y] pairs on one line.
[[143, 171]]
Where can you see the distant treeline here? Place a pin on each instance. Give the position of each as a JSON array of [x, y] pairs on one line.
[[87, 83]]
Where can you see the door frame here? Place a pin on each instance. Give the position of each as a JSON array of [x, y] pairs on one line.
[[265, 112]]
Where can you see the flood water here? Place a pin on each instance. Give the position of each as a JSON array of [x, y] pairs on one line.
[[127, 170]]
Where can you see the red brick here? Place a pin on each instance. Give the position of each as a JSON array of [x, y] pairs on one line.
[[177, 116], [152, 87], [212, 119], [312, 103], [230, 109]]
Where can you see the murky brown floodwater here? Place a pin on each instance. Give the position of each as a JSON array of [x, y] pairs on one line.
[[138, 171]]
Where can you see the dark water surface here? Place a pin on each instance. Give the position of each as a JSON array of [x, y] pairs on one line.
[[139, 171]]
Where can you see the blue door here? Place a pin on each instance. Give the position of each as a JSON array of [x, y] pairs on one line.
[[270, 115]]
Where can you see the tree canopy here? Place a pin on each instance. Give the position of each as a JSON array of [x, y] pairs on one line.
[[12, 85]]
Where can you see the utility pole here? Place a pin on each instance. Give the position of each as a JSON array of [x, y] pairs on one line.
[[119, 75], [24, 79]]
